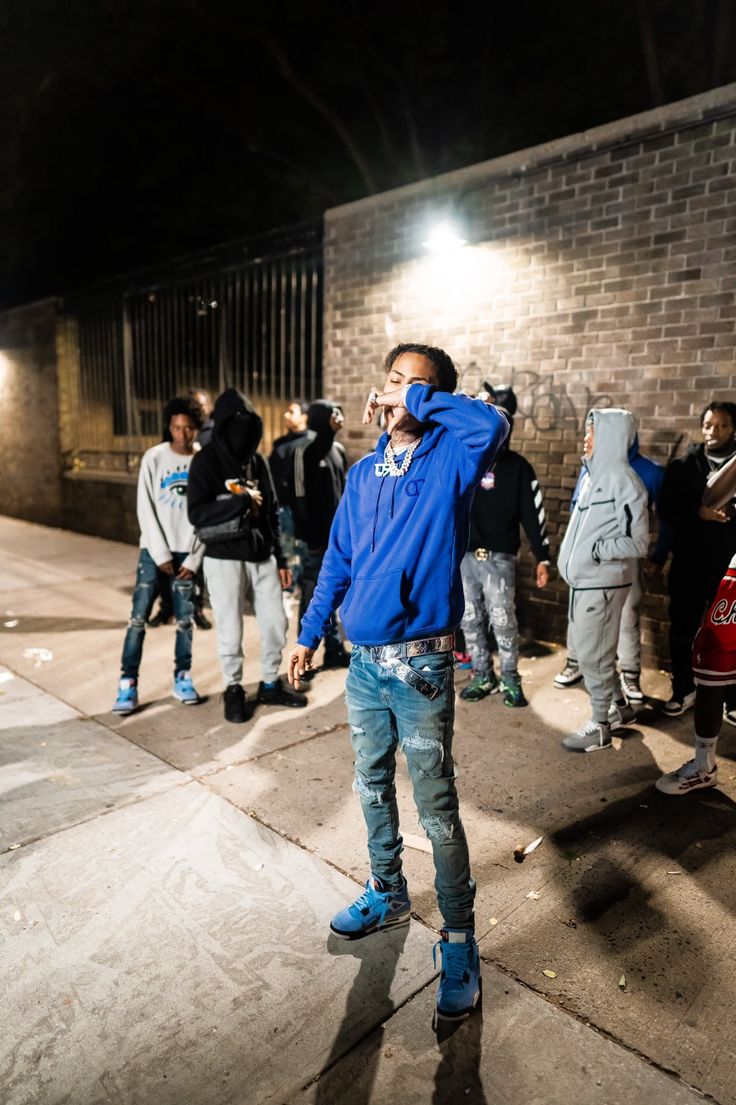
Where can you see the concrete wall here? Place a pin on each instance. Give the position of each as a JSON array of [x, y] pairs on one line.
[[30, 455], [599, 271]]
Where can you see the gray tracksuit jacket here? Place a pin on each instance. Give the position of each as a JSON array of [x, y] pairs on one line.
[[609, 527]]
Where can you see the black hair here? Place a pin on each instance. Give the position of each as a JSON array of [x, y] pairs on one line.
[[182, 404], [302, 404], [446, 371], [718, 405]]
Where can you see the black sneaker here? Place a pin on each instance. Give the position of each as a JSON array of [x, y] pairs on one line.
[[201, 620], [280, 696], [337, 659], [236, 709]]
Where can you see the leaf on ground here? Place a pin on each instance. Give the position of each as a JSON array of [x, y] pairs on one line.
[[549, 974], [533, 895], [622, 982]]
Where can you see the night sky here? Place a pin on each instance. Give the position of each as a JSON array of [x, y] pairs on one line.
[[137, 131]]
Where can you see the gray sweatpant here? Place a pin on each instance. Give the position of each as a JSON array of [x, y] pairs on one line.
[[226, 583], [629, 637], [490, 599], [595, 621]]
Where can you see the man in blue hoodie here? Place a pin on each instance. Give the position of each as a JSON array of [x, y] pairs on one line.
[[393, 568]]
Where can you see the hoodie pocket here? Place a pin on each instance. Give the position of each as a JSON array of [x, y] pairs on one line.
[[373, 611]]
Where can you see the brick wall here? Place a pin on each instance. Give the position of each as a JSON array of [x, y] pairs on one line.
[[30, 459], [599, 271]]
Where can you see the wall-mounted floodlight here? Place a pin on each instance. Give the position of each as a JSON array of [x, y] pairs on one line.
[[443, 238]]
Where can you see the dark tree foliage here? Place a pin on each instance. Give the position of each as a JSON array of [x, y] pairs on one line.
[[136, 130]]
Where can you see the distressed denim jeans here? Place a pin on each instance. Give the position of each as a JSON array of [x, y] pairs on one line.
[[144, 596], [386, 714], [490, 601]]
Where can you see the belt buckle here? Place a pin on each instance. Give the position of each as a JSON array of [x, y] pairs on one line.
[[481, 554]]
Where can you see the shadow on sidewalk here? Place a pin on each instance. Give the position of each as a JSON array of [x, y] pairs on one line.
[[378, 958]]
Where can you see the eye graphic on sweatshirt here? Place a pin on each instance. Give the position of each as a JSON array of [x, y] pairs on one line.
[[174, 488]]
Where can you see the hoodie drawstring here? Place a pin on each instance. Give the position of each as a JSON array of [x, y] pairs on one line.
[[375, 515]]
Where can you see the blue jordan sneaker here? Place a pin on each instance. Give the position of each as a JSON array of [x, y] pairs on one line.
[[184, 689], [459, 988], [375, 909], [127, 699]]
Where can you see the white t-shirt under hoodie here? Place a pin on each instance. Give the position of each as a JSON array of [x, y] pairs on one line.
[[162, 507]]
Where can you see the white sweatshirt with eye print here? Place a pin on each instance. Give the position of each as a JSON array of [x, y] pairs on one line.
[[162, 507]]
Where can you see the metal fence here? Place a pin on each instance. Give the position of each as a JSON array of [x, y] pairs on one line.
[[247, 314]]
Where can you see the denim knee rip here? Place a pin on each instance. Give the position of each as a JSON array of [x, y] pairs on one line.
[[137, 623], [369, 794], [500, 615], [438, 827]]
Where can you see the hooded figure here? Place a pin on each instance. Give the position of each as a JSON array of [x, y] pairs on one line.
[[233, 507], [320, 466], [231, 457], [607, 535], [629, 643], [318, 481]]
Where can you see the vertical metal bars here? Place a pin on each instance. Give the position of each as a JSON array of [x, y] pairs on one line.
[[248, 315]]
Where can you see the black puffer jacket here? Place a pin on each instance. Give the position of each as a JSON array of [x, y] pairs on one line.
[[208, 499]]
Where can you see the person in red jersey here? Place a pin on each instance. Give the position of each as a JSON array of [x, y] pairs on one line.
[[714, 656]]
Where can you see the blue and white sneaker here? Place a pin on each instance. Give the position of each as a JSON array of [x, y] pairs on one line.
[[127, 699], [373, 910], [184, 689], [459, 988]]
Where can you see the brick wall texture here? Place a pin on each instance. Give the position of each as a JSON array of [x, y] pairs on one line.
[[600, 271], [30, 458]]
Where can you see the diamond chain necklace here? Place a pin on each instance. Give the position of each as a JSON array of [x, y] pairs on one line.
[[395, 469]]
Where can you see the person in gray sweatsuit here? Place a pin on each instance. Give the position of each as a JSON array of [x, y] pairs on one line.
[[607, 535]]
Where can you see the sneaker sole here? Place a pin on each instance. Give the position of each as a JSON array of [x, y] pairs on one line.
[[679, 792], [124, 713], [679, 713], [401, 919], [566, 686], [187, 701], [590, 748]]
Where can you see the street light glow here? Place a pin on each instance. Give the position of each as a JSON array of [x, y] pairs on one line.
[[443, 237]]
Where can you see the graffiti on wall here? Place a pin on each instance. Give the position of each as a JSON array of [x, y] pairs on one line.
[[545, 401]]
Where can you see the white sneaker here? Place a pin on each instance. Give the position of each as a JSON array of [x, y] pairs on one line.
[[729, 716], [591, 737], [687, 778], [568, 677], [621, 716], [631, 686], [676, 706]]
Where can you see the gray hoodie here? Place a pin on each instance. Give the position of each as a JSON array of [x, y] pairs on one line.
[[609, 528]]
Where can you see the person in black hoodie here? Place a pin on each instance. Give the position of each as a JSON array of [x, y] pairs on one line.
[[703, 542], [319, 467], [234, 509], [508, 496], [281, 463]]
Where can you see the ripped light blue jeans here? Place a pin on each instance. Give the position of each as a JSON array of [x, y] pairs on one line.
[[386, 714]]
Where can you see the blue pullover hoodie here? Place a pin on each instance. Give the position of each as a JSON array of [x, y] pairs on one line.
[[393, 562]]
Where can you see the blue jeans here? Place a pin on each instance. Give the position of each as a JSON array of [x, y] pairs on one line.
[[386, 714], [144, 596]]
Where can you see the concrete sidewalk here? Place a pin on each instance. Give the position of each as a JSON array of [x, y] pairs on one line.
[[168, 880]]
